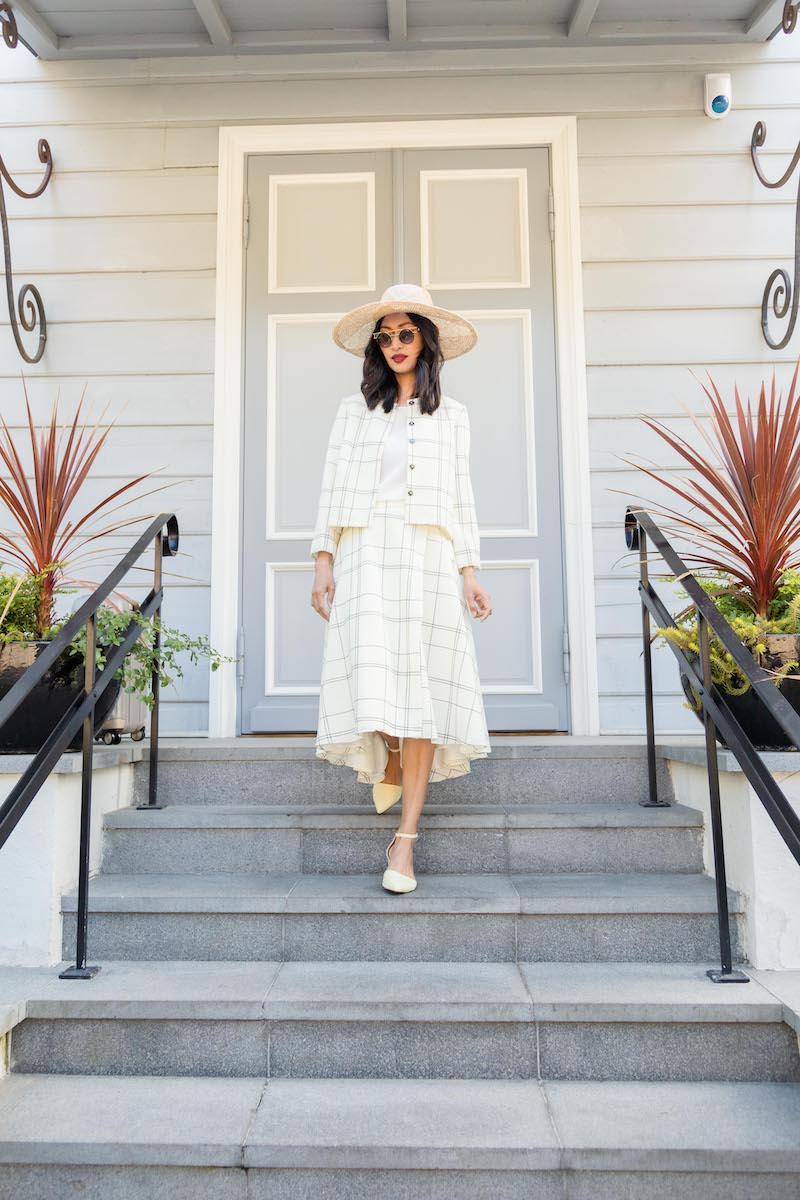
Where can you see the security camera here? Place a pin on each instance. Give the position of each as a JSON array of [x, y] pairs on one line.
[[717, 96]]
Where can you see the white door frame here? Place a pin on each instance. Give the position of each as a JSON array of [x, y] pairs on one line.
[[236, 142]]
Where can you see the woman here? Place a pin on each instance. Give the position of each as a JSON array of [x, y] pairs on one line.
[[397, 514]]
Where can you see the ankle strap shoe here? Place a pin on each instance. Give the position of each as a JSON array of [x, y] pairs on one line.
[[394, 881]]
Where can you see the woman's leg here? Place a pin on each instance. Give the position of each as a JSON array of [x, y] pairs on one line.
[[417, 762], [393, 773]]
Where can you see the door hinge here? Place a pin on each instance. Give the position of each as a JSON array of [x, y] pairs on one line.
[[551, 214], [240, 657], [246, 222], [565, 653]]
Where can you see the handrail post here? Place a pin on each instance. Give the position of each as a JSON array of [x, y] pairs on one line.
[[652, 784], [81, 970], [152, 783], [726, 974]]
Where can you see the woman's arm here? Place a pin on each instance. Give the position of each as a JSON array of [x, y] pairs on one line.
[[468, 545], [326, 536]]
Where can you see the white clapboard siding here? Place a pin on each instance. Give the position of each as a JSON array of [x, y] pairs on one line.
[[614, 490], [697, 284], [608, 437], [120, 194], [228, 92], [127, 347], [614, 338], [666, 233], [684, 134], [709, 178], [624, 391], [175, 243], [93, 297], [192, 567], [178, 450], [678, 239]]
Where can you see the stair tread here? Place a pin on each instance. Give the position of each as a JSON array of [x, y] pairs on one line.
[[374, 1123], [587, 892], [403, 991], [474, 816]]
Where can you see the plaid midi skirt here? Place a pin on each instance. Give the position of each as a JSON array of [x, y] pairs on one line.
[[398, 652]]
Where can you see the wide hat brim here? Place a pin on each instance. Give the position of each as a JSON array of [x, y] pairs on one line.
[[457, 335]]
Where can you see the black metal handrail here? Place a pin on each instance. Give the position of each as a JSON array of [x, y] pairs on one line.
[[717, 713], [82, 709]]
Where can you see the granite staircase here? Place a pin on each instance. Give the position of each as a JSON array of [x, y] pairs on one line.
[[534, 1021]]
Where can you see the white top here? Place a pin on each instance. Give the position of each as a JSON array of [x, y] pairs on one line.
[[392, 484]]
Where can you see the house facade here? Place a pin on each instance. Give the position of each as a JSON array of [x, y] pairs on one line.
[[222, 194], [204, 989]]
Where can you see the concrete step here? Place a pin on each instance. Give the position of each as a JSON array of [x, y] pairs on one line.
[[351, 839], [454, 918], [520, 770], [405, 1020], [296, 1139]]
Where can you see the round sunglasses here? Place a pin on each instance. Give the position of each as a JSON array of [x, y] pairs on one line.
[[406, 336]]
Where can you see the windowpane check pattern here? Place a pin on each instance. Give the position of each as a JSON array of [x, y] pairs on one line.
[[399, 653], [439, 488]]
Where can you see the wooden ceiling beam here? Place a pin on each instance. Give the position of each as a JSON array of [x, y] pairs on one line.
[[211, 14], [763, 20], [581, 17], [397, 20]]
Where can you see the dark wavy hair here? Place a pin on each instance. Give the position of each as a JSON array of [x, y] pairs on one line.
[[379, 383]]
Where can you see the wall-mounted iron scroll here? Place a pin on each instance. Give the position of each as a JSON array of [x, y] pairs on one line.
[[781, 290], [29, 309]]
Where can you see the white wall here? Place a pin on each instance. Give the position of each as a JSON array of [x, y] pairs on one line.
[[678, 238], [41, 861], [758, 865]]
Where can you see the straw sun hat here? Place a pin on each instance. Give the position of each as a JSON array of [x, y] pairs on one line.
[[353, 331]]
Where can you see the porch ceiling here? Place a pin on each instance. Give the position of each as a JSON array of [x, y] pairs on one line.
[[66, 29]]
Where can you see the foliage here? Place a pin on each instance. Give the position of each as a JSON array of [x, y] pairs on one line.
[[748, 488], [19, 607], [783, 617], [48, 541], [20, 601], [143, 658]]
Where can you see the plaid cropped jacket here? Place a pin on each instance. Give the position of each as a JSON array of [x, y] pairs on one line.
[[439, 490]]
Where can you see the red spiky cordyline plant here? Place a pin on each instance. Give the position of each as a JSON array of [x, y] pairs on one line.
[[752, 491], [41, 508]]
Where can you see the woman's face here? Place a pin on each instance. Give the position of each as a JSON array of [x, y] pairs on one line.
[[401, 358]]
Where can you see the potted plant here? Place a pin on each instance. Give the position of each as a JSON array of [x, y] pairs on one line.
[[46, 548], [744, 527]]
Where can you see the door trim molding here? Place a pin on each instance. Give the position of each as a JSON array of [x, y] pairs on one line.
[[559, 134]]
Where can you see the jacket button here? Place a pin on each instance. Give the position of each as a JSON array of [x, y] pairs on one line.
[[411, 467], [411, 441], [411, 422], [410, 492]]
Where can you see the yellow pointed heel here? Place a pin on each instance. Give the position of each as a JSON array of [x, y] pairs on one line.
[[384, 795], [394, 881]]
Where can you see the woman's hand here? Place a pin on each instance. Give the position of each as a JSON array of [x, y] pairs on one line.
[[323, 584], [479, 602]]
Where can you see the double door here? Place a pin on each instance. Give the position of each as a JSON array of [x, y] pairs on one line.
[[325, 234]]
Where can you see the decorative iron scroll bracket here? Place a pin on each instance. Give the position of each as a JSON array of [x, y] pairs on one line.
[[791, 11], [781, 291], [29, 308]]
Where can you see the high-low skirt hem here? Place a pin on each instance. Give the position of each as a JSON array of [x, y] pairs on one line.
[[367, 754]]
